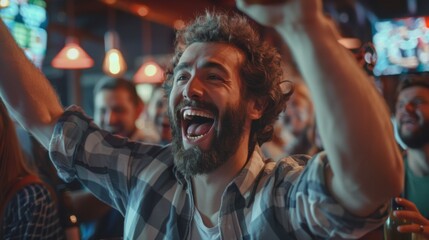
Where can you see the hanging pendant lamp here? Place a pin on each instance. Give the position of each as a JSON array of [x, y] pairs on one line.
[[72, 56], [114, 63]]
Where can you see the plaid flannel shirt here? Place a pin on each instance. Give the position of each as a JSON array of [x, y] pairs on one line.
[[267, 200], [32, 214]]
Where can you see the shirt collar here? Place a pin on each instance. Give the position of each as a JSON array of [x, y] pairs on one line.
[[247, 177], [244, 180]]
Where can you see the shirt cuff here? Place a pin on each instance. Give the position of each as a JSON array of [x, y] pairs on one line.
[[66, 140]]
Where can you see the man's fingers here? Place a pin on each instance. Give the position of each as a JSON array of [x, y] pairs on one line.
[[412, 216], [413, 228]]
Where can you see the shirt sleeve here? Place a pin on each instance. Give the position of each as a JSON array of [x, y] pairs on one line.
[[316, 212], [106, 164]]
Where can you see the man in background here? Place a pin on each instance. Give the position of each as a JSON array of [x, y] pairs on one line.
[[299, 121], [157, 115], [117, 106], [412, 118], [295, 129]]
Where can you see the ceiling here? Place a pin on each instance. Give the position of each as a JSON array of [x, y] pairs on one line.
[[167, 12], [152, 33], [147, 26]]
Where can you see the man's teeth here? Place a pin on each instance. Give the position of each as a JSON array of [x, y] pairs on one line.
[[409, 121], [188, 114], [195, 137]]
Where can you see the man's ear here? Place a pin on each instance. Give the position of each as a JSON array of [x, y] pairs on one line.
[[256, 108]]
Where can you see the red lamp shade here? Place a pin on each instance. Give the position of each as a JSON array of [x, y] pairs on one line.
[[72, 56], [149, 72]]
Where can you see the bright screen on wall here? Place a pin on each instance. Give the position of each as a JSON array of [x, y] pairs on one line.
[[26, 19], [402, 45]]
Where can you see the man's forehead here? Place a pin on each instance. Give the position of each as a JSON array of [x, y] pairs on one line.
[[413, 92], [113, 92], [198, 53], [106, 96]]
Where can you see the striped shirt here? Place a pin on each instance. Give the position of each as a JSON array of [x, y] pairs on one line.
[[267, 200], [32, 214]]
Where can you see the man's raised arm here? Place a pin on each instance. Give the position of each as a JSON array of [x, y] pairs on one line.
[[365, 164], [26, 91]]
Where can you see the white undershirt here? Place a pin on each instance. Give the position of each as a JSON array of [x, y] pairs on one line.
[[201, 232]]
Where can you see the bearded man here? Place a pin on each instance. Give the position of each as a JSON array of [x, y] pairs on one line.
[[225, 92], [412, 121]]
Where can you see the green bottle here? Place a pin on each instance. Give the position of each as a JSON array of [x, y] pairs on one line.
[[391, 224]]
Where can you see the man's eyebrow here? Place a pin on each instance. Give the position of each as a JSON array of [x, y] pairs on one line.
[[208, 64], [214, 65], [181, 66]]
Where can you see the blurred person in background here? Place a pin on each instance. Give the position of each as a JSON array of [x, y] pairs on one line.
[[412, 121], [299, 121], [157, 115], [295, 130], [117, 107], [27, 206]]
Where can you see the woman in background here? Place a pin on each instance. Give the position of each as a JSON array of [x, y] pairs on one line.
[[27, 208]]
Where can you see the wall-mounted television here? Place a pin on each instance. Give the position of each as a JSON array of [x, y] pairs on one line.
[[402, 45], [27, 21]]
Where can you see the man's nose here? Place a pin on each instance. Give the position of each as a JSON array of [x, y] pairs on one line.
[[194, 89], [409, 107]]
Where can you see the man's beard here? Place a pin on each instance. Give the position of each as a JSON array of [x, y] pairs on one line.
[[225, 142], [416, 139]]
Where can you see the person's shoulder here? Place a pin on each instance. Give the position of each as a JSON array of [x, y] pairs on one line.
[[284, 170], [295, 160], [291, 168], [286, 164], [31, 198], [33, 205], [301, 159], [34, 192]]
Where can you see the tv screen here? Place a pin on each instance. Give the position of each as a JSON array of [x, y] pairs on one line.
[[402, 45], [26, 19]]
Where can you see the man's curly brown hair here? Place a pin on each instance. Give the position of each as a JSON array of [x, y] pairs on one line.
[[261, 73]]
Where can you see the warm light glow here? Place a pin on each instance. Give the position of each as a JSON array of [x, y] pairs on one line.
[[145, 91], [114, 66], [72, 53], [4, 3], [73, 218], [150, 70], [111, 2], [72, 56], [143, 11], [350, 43], [179, 24], [114, 63]]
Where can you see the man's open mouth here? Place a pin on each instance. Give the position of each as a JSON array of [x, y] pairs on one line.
[[409, 122], [197, 125]]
